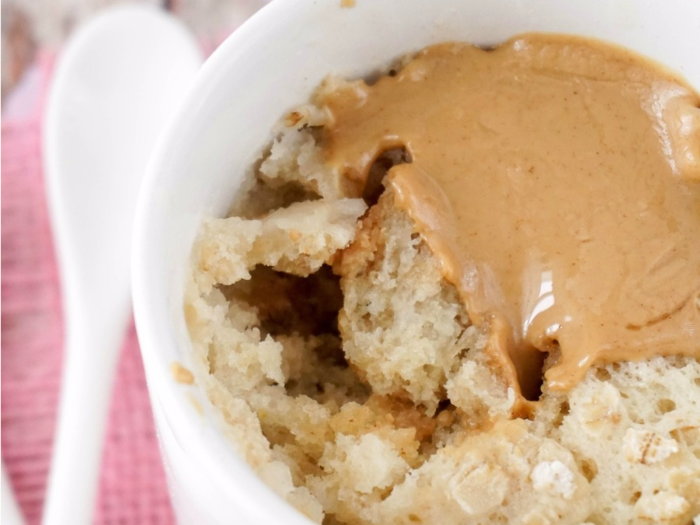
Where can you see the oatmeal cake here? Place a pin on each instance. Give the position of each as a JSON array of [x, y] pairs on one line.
[[468, 293]]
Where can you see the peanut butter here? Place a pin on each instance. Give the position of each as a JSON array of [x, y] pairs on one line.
[[557, 180]]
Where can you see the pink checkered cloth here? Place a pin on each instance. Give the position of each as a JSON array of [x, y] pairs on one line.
[[132, 481]]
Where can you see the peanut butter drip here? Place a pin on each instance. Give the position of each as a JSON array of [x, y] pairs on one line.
[[557, 180]]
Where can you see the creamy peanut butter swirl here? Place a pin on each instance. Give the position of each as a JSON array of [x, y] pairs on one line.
[[557, 180]]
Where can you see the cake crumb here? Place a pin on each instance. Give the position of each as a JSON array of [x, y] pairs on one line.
[[292, 119], [181, 374], [347, 4], [195, 403]]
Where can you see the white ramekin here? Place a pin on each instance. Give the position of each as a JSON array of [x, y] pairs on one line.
[[271, 63]]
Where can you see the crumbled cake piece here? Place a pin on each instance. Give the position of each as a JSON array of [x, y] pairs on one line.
[[296, 157], [366, 398], [357, 471], [634, 428], [475, 388], [400, 322], [492, 477], [297, 240], [403, 325]]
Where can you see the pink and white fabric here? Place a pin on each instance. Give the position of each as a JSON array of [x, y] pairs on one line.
[[132, 483]]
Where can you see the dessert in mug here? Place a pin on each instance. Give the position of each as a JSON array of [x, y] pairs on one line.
[[468, 293]]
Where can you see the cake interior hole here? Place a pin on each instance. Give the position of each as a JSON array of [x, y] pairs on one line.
[[531, 373], [602, 374], [564, 411], [589, 469], [387, 160], [302, 314], [666, 405], [288, 304]]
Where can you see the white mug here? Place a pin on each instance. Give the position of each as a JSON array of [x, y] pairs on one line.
[[270, 64]]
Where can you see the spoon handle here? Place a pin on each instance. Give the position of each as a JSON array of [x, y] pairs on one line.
[[82, 416], [9, 511]]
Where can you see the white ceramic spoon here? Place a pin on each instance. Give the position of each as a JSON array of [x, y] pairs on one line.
[[119, 78]]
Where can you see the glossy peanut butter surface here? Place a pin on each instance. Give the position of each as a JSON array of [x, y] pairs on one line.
[[557, 180]]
